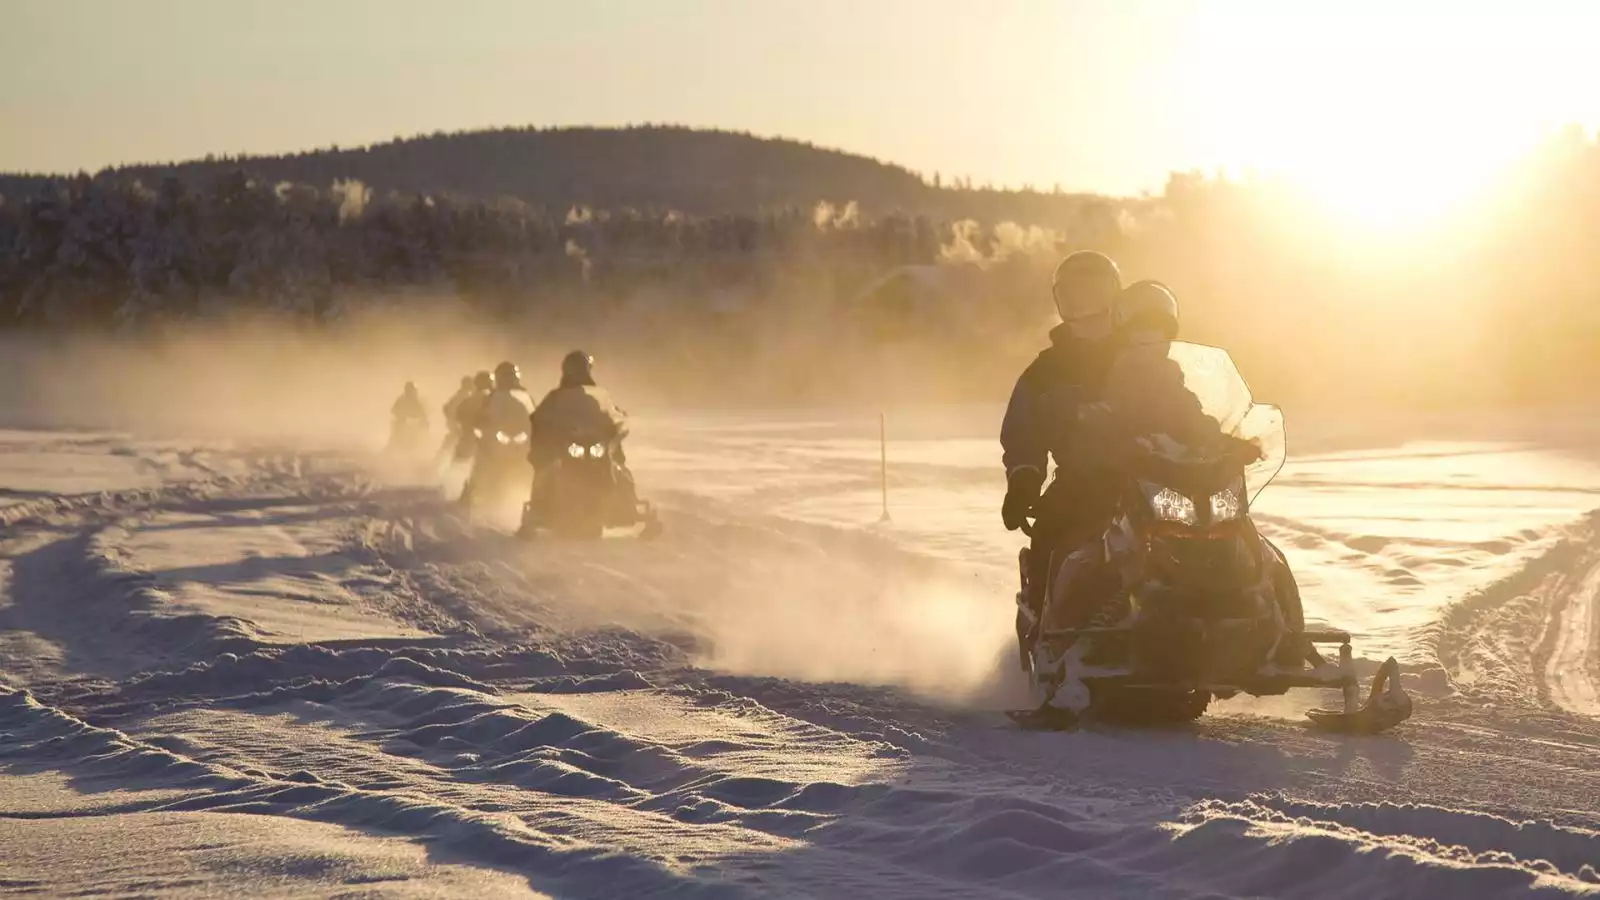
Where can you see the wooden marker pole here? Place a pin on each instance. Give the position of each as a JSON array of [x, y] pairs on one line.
[[883, 462]]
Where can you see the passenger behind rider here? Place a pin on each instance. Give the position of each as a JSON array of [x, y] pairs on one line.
[[1147, 317], [1147, 312], [1149, 384], [467, 412], [452, 421], [576, 406]]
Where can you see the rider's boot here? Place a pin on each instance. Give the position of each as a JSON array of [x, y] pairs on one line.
[[1027, 609]]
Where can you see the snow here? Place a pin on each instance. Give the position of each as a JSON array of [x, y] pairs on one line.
[[213, 854], [227, 672]]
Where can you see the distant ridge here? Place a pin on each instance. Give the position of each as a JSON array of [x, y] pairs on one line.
[[701, 172]]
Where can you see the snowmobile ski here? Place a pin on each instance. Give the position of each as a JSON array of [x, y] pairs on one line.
[[1387, 705], [1045, 718]]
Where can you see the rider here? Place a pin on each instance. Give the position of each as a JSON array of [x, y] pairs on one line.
[[577, 403], [1080, 500], [504, 410], [467, 411], [407, 414]]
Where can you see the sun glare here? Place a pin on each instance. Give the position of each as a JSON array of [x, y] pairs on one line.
[[1388, 178], [1392, 116]]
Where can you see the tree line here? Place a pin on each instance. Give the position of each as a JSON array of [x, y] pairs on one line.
[[1494, 303]]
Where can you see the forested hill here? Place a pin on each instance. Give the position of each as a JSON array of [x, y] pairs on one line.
[[662, 167]]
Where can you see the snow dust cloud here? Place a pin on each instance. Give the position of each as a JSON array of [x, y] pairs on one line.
[[818, 623], [260, 380], [848, 608]]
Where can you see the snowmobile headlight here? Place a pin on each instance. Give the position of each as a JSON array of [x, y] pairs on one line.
[[575, 451], [519, 438], [1226, 506], [477, 432], [1169, 505], [597, 450], [502, 437]]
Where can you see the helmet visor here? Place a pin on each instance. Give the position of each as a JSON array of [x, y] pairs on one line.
[[1085, 295]]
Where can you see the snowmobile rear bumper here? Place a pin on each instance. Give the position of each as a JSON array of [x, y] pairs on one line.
[[1386, 705]]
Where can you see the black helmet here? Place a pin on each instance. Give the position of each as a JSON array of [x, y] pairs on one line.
[[483, 381], [1085, 285], [1148, 306], [577, 365], [507, 376]]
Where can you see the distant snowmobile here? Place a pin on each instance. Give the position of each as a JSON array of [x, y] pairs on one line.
[[408, 425], [500, 433], [584, 491], [583, 485], [1198, 611], [499, 467]]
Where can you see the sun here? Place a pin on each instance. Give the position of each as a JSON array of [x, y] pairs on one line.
[[1389, 116], [1391, 178]]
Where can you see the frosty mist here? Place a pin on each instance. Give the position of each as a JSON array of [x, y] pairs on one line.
[[763, 607], [252, 378], [820, 623]]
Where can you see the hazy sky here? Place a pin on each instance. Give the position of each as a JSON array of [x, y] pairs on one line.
[[1097, 95]]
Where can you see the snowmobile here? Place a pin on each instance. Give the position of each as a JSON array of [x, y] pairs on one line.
[[585, 491], [500, 466], [1195, 604], [408, 437]]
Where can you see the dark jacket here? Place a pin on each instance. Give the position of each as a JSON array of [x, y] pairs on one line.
[[409, 409], [452, 405], [1039, 423], [577, 406]]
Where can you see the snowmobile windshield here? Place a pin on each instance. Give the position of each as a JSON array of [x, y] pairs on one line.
[[1183, 404]]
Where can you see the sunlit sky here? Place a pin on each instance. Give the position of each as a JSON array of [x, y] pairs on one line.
[[1110, 96]]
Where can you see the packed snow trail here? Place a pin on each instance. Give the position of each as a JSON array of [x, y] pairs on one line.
[[1572, 669], [762, 703]]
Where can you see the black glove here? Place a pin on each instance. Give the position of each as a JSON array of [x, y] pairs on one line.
[[1022, 492]]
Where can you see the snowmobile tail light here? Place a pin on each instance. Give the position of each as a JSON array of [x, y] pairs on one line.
[[1225, 507], [597, 450], [1169, 505], [575, 451]]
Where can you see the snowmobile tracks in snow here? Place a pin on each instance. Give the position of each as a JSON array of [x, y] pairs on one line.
[[1533, 639], [1570, 652]]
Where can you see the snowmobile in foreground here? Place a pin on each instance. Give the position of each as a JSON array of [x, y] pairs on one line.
[[1197, 604], [585, 491]]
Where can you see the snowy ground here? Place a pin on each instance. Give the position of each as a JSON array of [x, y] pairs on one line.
[[228, 672]]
